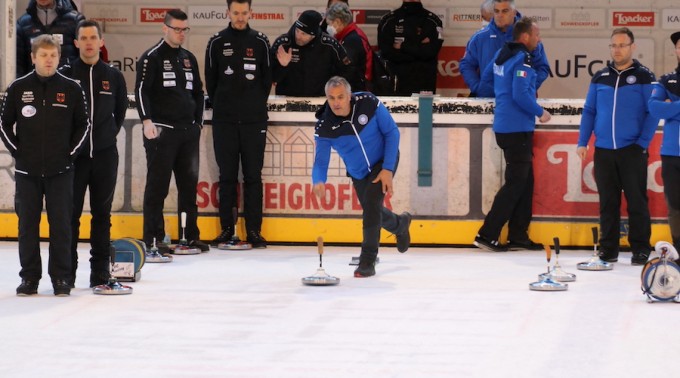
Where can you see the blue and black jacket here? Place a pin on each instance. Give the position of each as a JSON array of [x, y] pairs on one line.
[[616, 108], [480, 52], [363, 139], [515, 86], [668, 88]]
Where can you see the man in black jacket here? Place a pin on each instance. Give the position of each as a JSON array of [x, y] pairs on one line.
[[97, 166], [170, 103], [55, 17], [238, 80], [410, 37], [305, 58], [44, 125]]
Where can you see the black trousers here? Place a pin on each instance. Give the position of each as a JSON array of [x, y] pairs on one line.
[[375, 215], [670, 172], [624, 170], [99, 173], [174, 151], [28, 202], [513, 202], [244, 143]]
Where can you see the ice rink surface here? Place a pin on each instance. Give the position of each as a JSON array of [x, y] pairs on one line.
[[431, 312]]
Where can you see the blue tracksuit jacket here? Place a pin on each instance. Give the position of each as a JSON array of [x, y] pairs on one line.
[[366, 137], [515, 87], [616, 108], [668, 88]]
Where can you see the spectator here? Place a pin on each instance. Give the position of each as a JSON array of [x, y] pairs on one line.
[[170, 100], [410, 37], [341, 26], [55, 17], [239, 94], [513, 124], [616, 111], [484, 44], [44, 125], [305, 58], [665, 104], [362, 131], [97, 167]]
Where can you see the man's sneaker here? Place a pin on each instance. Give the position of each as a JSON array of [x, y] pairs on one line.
[[200, 245], [529, 245], [489, 245], [99, 277], [365, 269], [223, 237], [256, 240], [609, 257], [639, 258], [404, 238], [163, 248], [61, 288], [27, 287]]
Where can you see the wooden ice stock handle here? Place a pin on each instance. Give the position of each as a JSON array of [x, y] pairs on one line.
[[547, 253], [319, 244]]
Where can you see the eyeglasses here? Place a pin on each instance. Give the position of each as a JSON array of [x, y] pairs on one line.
[[178, 30], [621, 46]]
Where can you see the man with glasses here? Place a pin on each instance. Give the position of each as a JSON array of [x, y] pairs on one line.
[[616, 111], [170, 103]]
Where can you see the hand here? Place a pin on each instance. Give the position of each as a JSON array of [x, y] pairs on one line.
[[151, 131], [319, 189], [284, 57], [545, 117], [386, 177], [426, 40], [581, 152], [397, 45]]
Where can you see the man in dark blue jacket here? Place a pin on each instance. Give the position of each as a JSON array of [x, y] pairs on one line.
[[616, 111], [484, 44], [55, 17], [44, 126], [362, 131], [97, 167], [665, 104], [514, 123]]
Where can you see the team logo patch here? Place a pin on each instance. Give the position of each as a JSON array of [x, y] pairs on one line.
[[250, 76], [106, 85], [167, 65], [28, 111], [61, 97], [249, 52], [228, 71], [631, 79], [363, 119], [187, 63], [521, 73]]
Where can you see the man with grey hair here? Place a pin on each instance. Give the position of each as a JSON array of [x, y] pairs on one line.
[[341, 25], [486, 12], [362, 131]]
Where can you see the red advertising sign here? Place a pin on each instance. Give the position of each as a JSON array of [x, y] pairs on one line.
[[633, 18], [155, 15], [564, 186], [448, 72]]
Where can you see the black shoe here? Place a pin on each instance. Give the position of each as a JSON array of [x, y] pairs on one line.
[[61, 288], [489, 245], [366, 268], [404, 238], [200, 245], [223, 237], [639, 258], [609, 257], [27, 287], [72, 282], [99, 277], [256, 240], [163, 249], [529, 245]]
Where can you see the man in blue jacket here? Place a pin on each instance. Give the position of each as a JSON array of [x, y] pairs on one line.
[[484, 44], [616, 111], [665, 103], [362, 131], [514, 123]]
